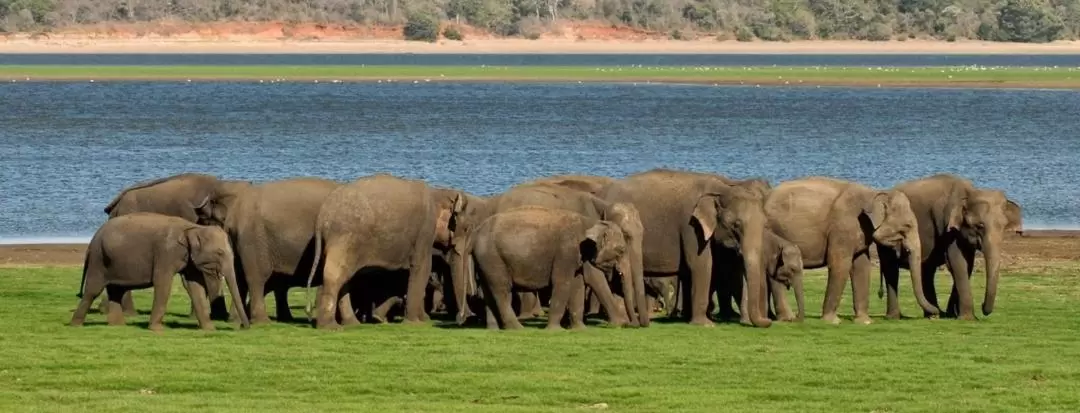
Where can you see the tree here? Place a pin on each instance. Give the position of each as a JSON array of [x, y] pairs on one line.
[[1029, 21]]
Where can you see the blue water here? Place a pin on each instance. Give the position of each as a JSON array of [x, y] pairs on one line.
[[547, 59], [67, 148]]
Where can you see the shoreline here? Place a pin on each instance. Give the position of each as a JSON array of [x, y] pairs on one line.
[[1033, 246], [808, 76], [154, 44]]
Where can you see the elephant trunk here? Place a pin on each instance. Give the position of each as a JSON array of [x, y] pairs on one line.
[[238, 301], [626, 278], [914, 250], [755, 275], [797, 285], [461, 275], [637, 272], [992, 255]]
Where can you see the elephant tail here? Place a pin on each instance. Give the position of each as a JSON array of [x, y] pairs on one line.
[[881, 287], [82, 283], [314, 268]]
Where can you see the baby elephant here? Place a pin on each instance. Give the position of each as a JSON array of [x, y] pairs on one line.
[[784, 270], [144, 249], [530, 247]]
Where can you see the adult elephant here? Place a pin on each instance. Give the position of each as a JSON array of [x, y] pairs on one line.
[[834, 223], [177, 196], [381, 222], [585, 183], [272, 228], [684, 214], [955, 219], [592, 207]]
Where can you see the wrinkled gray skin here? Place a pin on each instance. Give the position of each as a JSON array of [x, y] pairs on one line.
[[834, 223], [684, 214], [380, 222], [140, 250], [784, 270], [955, 220], [532, 247], [177, 196], [272, 226]]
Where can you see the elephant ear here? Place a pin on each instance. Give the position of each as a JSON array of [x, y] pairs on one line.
[[190, 240], [203, 209], [955, 210], [705, 215], [877, 209], [460, 203], [1014, 221], [594, 238]]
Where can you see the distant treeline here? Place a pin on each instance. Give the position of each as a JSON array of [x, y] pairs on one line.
[[996, 20]]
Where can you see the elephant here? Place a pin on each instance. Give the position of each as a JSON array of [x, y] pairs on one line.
[[624, 214], [955, 219], [684, 213], [380, 222], [585, 183], [142, 249], [531, 247], [834, 223], [175, 195], [272, 228], [783, 269]]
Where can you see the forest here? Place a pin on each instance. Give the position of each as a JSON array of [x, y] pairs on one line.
[[743, 20]]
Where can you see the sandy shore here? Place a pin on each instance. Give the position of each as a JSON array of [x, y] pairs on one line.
[[151, 44], [1035, 247]]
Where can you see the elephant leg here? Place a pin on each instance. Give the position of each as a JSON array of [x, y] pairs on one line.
[[890, 274], [960, 264], [727, 292], [162, 290], [281, 303], [199, 300], [529, 302], [128, 305], [577, 304], [94, 284], [501, 296], [346, 310], [840, 267], [337, 271], [594, 303], [257, 274], [595, 279], [114, 295], [744, 306], [419, 274], [779, 297], [860, 288], [700, 271], [379, 314], [929, 289], [560, 296]]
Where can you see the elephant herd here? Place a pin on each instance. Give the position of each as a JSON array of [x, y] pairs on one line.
[[702, 246]]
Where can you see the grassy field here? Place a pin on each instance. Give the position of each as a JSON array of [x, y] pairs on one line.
[[927, 76], [1023, 358]]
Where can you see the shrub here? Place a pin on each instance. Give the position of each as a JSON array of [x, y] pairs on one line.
[[422, 27], [744, 34], [452, 33], [530, 28], [879, 32]]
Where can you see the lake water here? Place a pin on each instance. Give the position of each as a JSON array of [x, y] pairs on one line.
[[67, 148], [547, 59]]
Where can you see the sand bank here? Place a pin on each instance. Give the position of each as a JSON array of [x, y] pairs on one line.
[[90, 45]]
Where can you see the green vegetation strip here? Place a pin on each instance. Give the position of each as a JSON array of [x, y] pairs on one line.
[[1023, 358], [929, 76]]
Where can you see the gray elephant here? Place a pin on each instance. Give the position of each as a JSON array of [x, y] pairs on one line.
[[177, 196], [380, 222], [684, 214], [784, 270], [955, 219], [532, 247], [834, 223], [272, 228], [624, 214], [585, 183], [140, 250]]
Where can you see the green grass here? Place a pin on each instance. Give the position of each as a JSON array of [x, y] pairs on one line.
[[1023, 358], [927, 76]]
